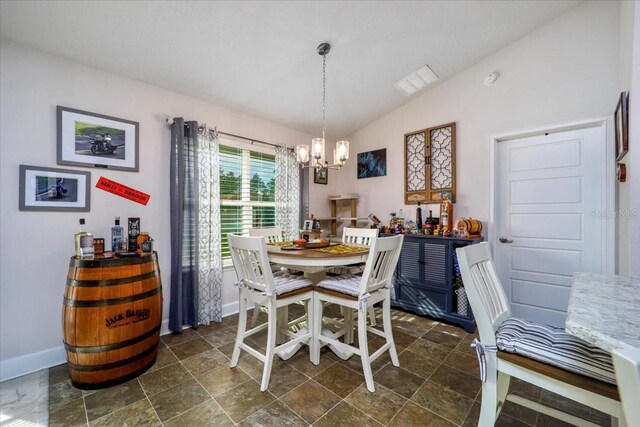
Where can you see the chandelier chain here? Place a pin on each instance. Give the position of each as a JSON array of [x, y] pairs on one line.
[[324, 94]]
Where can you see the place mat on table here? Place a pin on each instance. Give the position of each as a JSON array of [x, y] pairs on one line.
[[343, 249]]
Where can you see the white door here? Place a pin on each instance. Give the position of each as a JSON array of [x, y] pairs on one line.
[[549, 219]]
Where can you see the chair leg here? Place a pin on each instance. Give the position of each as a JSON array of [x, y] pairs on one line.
[[372, 316], [316, 324], [271, 345], [256, 313], [388, 331], [488, 410], [347, 314], [242, 326], [364, 351], [503, 387]]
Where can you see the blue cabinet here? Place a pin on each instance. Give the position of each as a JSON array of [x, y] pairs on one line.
[[424, 278]]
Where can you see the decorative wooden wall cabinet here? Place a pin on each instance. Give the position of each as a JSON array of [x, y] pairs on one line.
[[430, 164]]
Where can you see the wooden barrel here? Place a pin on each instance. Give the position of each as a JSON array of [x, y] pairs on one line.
[[111, 319], [472, 227]]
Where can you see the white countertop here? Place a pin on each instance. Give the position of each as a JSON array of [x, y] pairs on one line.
[[604, 310]]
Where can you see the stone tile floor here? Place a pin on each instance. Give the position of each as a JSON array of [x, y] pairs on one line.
[[191, 384]]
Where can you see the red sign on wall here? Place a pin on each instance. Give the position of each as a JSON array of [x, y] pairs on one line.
[[122, 190]]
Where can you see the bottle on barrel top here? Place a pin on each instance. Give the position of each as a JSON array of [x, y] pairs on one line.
[[83, 242], [116, 237]]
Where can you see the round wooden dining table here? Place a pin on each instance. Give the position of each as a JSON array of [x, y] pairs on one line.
[[313, 263]]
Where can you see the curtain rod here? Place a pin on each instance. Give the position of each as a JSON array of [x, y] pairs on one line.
[[252, 140]]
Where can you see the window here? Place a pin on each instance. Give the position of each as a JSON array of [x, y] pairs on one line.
[[247, 192]]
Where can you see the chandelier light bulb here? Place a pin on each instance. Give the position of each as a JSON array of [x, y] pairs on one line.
[[302, 153], [317, 149], [342, 150]]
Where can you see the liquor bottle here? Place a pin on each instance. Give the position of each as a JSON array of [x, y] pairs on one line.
[[446, 212], [419, 218], [116, 237], [134, 230], [84, 242]]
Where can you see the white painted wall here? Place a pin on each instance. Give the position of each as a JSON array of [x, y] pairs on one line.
[[633, 156], [35, 246], [565, 71], [625, 60]]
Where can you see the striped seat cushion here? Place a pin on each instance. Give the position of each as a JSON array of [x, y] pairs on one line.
[[555, 347], [346, 284], [287, 282]]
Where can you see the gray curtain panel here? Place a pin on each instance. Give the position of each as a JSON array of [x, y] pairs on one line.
[[183, 308]]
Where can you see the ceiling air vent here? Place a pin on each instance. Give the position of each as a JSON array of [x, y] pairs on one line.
[[417, 80]]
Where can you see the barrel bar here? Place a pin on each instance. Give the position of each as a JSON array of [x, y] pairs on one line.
[[114, 346], [113, 301], [112, 262], [111, 282], [112, 365], [113, 382]]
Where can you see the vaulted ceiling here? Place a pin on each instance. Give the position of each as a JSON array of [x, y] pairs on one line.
[[261, 57]]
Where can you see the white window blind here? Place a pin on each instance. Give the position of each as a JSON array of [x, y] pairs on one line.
[[247, 192]]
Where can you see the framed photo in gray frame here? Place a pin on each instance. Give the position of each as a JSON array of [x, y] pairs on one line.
[[95, 140], [52, 189]]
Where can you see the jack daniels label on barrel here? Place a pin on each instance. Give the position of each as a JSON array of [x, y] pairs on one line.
[[126, 317]]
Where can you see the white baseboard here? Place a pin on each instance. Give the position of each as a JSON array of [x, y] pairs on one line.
[[22, 365], [33, 362]]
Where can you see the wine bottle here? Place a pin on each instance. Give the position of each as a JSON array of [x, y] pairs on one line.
[[419, 218]]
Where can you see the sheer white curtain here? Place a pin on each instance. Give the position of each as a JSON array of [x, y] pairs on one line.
[[287, 192], [209, 244]]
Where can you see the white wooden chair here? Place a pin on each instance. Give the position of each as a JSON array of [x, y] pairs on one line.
[[491, 308], [271, 235], [360, 293], [258, 285], [627, 364], [356, 236]]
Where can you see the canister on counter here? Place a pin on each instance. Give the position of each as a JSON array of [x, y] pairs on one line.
[[98, 246], [141, 239]]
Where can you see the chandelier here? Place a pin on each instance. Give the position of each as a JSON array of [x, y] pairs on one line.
[[315, 158]]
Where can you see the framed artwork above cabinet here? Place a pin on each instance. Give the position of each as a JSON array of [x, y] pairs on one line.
[[430, 164]]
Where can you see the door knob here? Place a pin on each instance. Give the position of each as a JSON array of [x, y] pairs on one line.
[[505, 240]]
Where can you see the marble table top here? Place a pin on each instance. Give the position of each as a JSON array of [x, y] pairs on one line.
[[604, 310]]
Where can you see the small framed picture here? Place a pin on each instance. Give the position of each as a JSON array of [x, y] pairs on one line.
[[49, 189], [320, 176], [95, 140], [308, 224], [621, 118]]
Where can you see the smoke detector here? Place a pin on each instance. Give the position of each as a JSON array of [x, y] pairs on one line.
[[491, 78]]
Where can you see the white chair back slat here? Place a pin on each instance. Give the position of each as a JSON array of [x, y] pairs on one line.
[[487, 298], [359, 236], [272, 234], [381, 263], [250, 260], [627, 366]]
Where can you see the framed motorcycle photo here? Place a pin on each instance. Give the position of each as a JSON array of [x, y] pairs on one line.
[[50, 189], [95, 140]]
